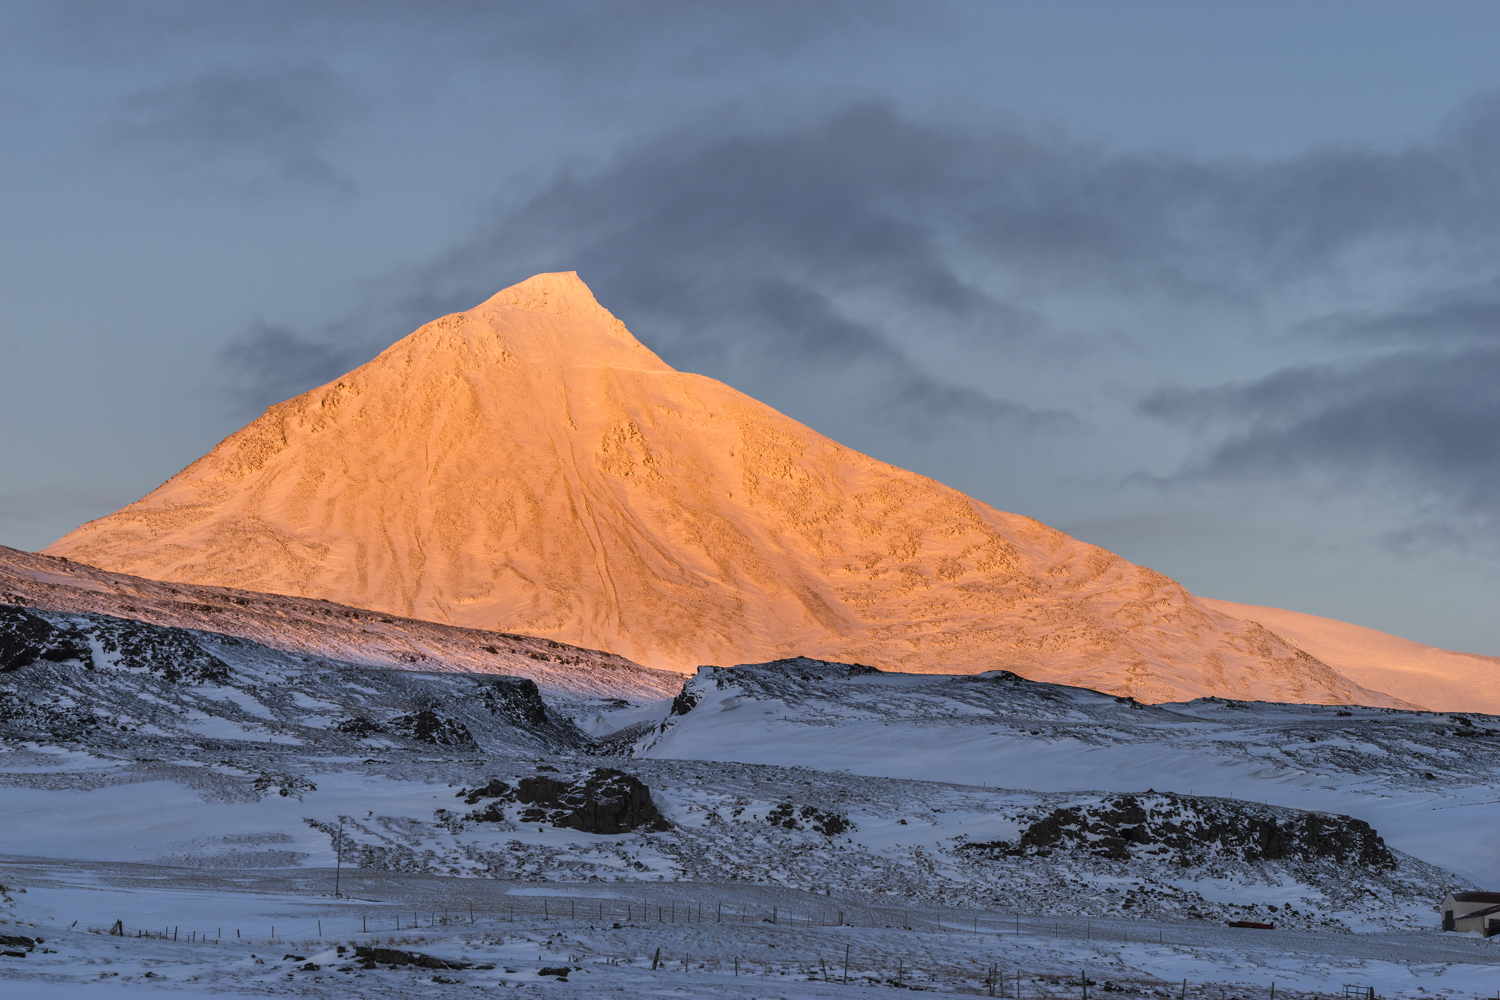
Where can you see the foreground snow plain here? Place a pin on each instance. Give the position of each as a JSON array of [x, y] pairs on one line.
[[213, 789], [708, 939]]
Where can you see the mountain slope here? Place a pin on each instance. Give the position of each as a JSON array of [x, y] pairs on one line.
[[529, 466], [328, 631], [1439, 679]]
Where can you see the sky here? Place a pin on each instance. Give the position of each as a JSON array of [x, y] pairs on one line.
[[1215, 286]]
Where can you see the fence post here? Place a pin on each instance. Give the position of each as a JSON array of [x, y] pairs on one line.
[[846, 959]]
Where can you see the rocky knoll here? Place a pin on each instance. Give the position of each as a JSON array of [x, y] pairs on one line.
[[1186, 829]]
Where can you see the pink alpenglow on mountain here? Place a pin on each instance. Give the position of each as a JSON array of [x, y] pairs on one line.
[[529, 466]]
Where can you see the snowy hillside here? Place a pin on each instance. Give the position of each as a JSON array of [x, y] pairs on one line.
[[320, 629], [1413, 775], [1438, 679]]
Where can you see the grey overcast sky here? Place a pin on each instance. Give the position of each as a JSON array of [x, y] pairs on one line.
[[1214, 285]]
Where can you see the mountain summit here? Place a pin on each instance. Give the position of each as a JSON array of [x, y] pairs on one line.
[[529, 466]]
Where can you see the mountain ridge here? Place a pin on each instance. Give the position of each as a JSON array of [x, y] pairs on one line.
[[1443, 680], [304, 626]]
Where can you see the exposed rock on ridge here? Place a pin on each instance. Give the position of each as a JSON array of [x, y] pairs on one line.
[[529, 466], [318, 628]]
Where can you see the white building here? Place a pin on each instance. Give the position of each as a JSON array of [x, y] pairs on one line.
[[1472, 911]]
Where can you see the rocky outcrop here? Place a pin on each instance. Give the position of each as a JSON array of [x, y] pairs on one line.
[[788, 816], [602, 801], [175, 654], [427, 726], [1188, 829], [395, 957], [26, 638]]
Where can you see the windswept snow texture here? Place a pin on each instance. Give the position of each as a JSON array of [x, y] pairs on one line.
[[1439, 679], [528, 465], [1417, 777]]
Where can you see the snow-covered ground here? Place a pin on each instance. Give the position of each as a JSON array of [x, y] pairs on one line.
[[215, 933], [1417, 777], [186, 783]]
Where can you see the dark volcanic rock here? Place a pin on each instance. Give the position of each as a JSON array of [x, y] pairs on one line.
[[393, 956], [26, 638], [685, 701], [829, 824], [429, 727], [602, 801], [605, 801], [518, 699], [173, 653], [1123, 826], [359, 727], [494, 790]]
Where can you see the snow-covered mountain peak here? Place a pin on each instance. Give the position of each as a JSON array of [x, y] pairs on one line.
[[561, 292], [527, 466]]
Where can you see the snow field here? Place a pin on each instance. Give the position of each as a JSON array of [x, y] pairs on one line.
[[699, 932]]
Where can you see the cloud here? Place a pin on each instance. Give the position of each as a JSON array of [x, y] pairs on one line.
[[253, 126], [460, 51], [1421, 428], [267, 363], [945, 217], [1470, 314], [854, 252]]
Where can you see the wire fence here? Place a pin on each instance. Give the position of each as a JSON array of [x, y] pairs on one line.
[[969, 961]]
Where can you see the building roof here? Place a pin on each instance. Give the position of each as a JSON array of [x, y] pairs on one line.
[[1476, 897], [1479, 913]]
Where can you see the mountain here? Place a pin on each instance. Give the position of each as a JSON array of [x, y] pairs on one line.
[[1439, 679], [529, 466]]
